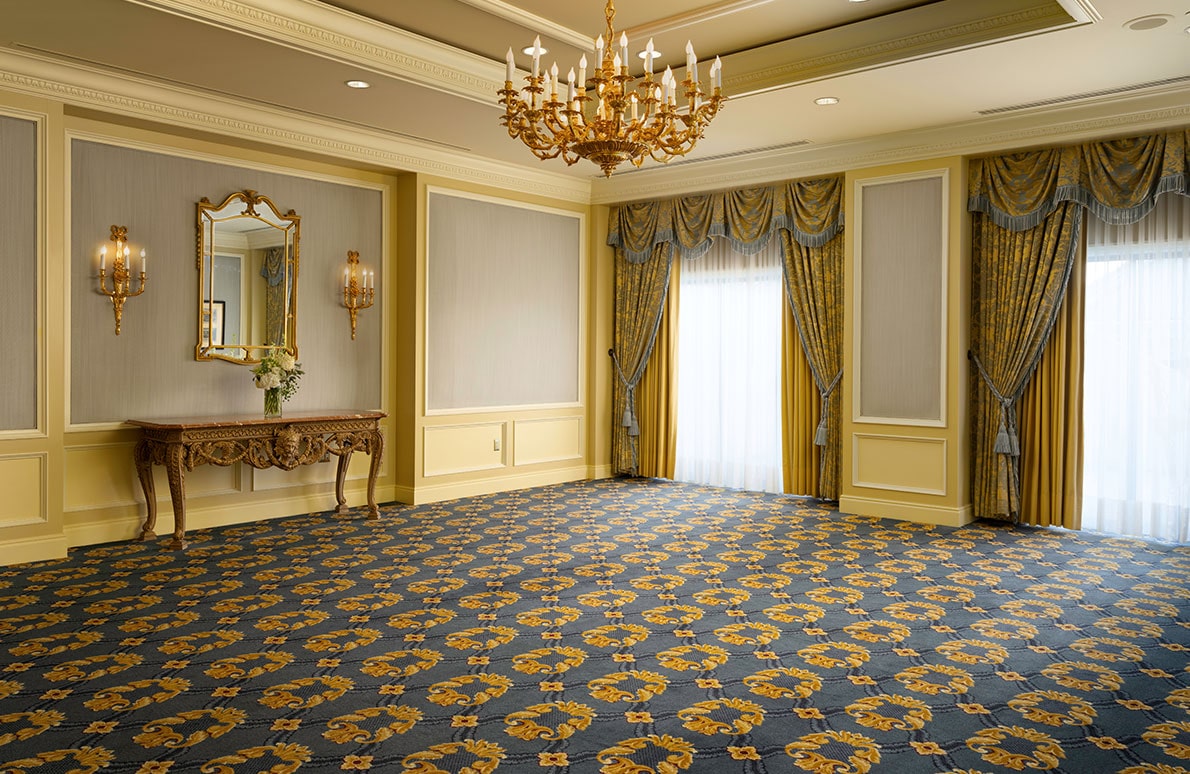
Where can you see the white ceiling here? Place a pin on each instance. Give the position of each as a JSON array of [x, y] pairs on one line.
[[915, 79]]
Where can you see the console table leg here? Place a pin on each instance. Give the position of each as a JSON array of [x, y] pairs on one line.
[[144, 471], [340, 476], [177, 493], [377, 452]]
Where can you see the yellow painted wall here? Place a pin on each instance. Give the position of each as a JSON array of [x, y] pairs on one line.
[[76, 486], [908, 471]]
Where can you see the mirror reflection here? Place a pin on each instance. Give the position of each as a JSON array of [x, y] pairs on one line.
[[248, 266]]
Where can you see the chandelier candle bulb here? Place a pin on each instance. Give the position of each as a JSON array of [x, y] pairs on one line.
[[511, 66]]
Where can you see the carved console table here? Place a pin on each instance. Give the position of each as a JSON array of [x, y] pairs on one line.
[[300, 438]]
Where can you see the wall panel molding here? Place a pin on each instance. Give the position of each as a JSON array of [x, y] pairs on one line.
[[537, 441], [24, 479], [899, 463]]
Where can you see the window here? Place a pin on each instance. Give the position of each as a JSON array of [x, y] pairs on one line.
[[1136, 406], [729, 369]]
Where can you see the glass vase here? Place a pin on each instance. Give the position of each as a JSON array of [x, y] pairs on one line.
[[272, 403]]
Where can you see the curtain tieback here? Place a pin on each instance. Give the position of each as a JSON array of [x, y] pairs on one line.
[[1006, 438], [628, 420], [820, 433]]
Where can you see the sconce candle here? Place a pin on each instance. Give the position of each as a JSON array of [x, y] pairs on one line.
[[121, 273], [359, 288]]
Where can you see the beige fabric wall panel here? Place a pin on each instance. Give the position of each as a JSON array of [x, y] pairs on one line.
[[901, 268], [149, 370], [463, 448], [23, 481], [547, 440], [18, 267], [503, 305], [899, 463]]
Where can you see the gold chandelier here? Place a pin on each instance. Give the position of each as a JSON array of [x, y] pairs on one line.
[[626, 120]]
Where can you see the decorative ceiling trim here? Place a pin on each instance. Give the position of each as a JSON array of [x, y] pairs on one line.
[[795, 64], [1082, 11], [345, 37], [697, 16], [252, 122], [534, 22]]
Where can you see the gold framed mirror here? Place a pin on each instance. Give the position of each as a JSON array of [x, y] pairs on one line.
[[248, 268]]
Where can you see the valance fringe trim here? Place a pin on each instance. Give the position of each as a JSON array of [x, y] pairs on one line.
[[1115, 216], [811, 211]]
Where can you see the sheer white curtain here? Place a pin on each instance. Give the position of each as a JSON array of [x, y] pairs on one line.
[[1136, 407], [729, 369]]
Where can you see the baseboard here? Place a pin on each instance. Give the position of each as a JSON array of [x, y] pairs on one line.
[[36, 549], [599, 471], [902, 511], [473, 488], [119, 528]]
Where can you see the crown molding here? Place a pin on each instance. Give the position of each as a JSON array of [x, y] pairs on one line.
[[1160, 109], [918, 33], [1082, 11], [531, 21], [342, 36], [251, 122], [697, 16]]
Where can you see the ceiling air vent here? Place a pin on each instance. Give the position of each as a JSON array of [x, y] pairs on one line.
[[1086, 95]]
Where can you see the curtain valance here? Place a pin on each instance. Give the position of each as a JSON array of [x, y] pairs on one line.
[[811, 210], [1118, 180]]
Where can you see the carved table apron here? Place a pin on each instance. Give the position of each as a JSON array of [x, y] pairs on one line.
[[300, 438]]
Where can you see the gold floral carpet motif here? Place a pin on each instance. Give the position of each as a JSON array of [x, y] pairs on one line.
[[616, 626]]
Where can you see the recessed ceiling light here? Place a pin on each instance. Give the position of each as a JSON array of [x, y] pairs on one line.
[[829, 100], [645, 54], [358, 84], [1142, 23], [530, 50]]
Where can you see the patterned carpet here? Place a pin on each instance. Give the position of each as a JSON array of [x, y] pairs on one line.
[[609, 626]]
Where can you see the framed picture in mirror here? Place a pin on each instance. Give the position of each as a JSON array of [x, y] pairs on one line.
[[212, 323]]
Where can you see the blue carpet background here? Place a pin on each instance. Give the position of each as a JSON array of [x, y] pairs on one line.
[[620, 626]]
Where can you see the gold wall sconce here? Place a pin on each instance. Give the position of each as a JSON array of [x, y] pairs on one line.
[[121, 273], [359, 288]]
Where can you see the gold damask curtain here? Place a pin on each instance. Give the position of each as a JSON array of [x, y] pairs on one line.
[[640, 297], [1028, 215], [814, 285], [807, 214]]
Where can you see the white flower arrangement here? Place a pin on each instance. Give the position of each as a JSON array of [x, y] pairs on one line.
[[278, 371]]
